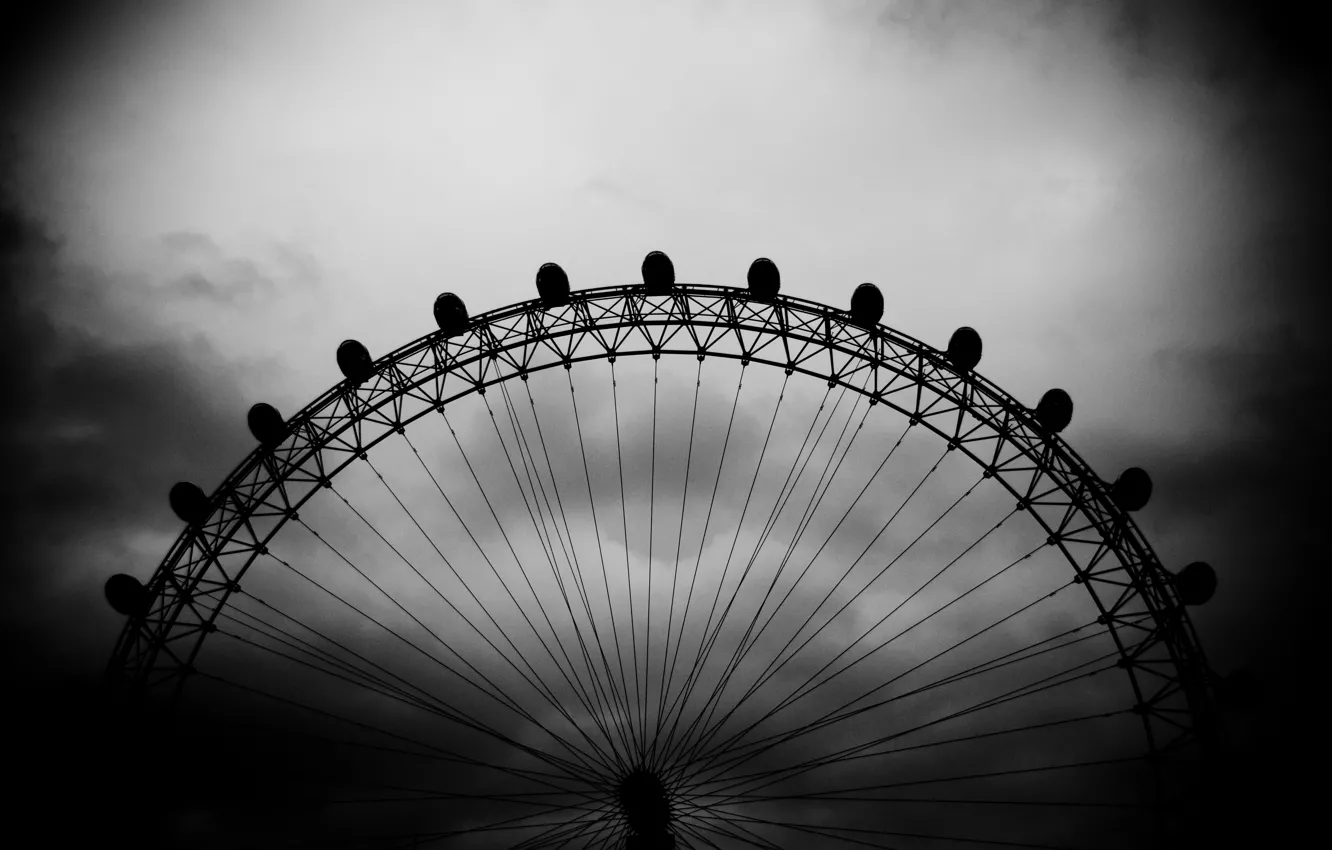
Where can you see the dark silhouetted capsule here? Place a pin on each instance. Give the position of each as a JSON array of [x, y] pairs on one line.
[[451, 314], [764, 279], [266, 424], [1055, 411], [658, 273], [1132, 489], [866, 305], [127, 595], [964, 349], [1196, 583], [354, 361], [189, 502], [552, 285]]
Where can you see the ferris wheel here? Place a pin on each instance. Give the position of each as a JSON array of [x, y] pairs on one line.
[[676, 565]]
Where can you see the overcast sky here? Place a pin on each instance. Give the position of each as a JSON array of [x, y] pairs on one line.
[[202, 200]]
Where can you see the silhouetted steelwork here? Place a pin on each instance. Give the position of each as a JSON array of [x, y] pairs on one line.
[[1018, 447]]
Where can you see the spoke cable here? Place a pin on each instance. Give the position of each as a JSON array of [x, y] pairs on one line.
[[539, 685], [610, 607], [812, 506], [682, 699], [570, 558]]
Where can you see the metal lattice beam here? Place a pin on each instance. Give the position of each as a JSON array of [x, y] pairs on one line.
[[1108, 554]]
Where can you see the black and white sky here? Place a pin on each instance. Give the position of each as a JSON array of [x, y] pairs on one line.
[[200, 200]]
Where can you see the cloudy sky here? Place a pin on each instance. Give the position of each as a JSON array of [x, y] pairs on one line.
[[202, 200]]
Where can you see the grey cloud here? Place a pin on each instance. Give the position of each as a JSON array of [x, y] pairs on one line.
[[200, 269]]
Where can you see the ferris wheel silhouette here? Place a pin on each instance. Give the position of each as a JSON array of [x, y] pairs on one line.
[[683, 565]]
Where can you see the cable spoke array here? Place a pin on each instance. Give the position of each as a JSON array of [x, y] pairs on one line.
[[519, 588], [777, 598]]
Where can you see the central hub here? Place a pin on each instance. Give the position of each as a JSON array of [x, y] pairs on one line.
[[645, 804]]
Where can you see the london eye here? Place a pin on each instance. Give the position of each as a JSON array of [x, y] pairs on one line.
[[682, 565]]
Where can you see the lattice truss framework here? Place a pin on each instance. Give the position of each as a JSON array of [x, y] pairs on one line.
[[1133, 592]]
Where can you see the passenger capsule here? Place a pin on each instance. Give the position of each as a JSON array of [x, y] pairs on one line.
[[189, 502], [964, 349], [658, 273], [451, 313], [266, 424], [552, 285], [866, 305], [127, 595], [1132, 489], [354, 361], [1196, 583], [764, 279], [1055, 411]]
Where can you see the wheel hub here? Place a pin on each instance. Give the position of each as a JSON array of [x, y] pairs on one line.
[[647, 810]]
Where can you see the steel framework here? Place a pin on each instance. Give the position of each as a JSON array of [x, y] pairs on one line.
[[1137, 600]]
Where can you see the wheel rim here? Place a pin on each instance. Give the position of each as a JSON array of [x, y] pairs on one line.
[[1136, 605]]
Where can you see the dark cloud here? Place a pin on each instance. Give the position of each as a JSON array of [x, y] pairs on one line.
[[103, 412], [39, 39], [1252, 504], [1268, 63], [1232, 42]]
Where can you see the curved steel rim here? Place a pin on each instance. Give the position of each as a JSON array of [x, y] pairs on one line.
[[1109, 554]]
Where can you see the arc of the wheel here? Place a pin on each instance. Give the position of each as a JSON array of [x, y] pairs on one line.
[[811, 373], [1008, 420]]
